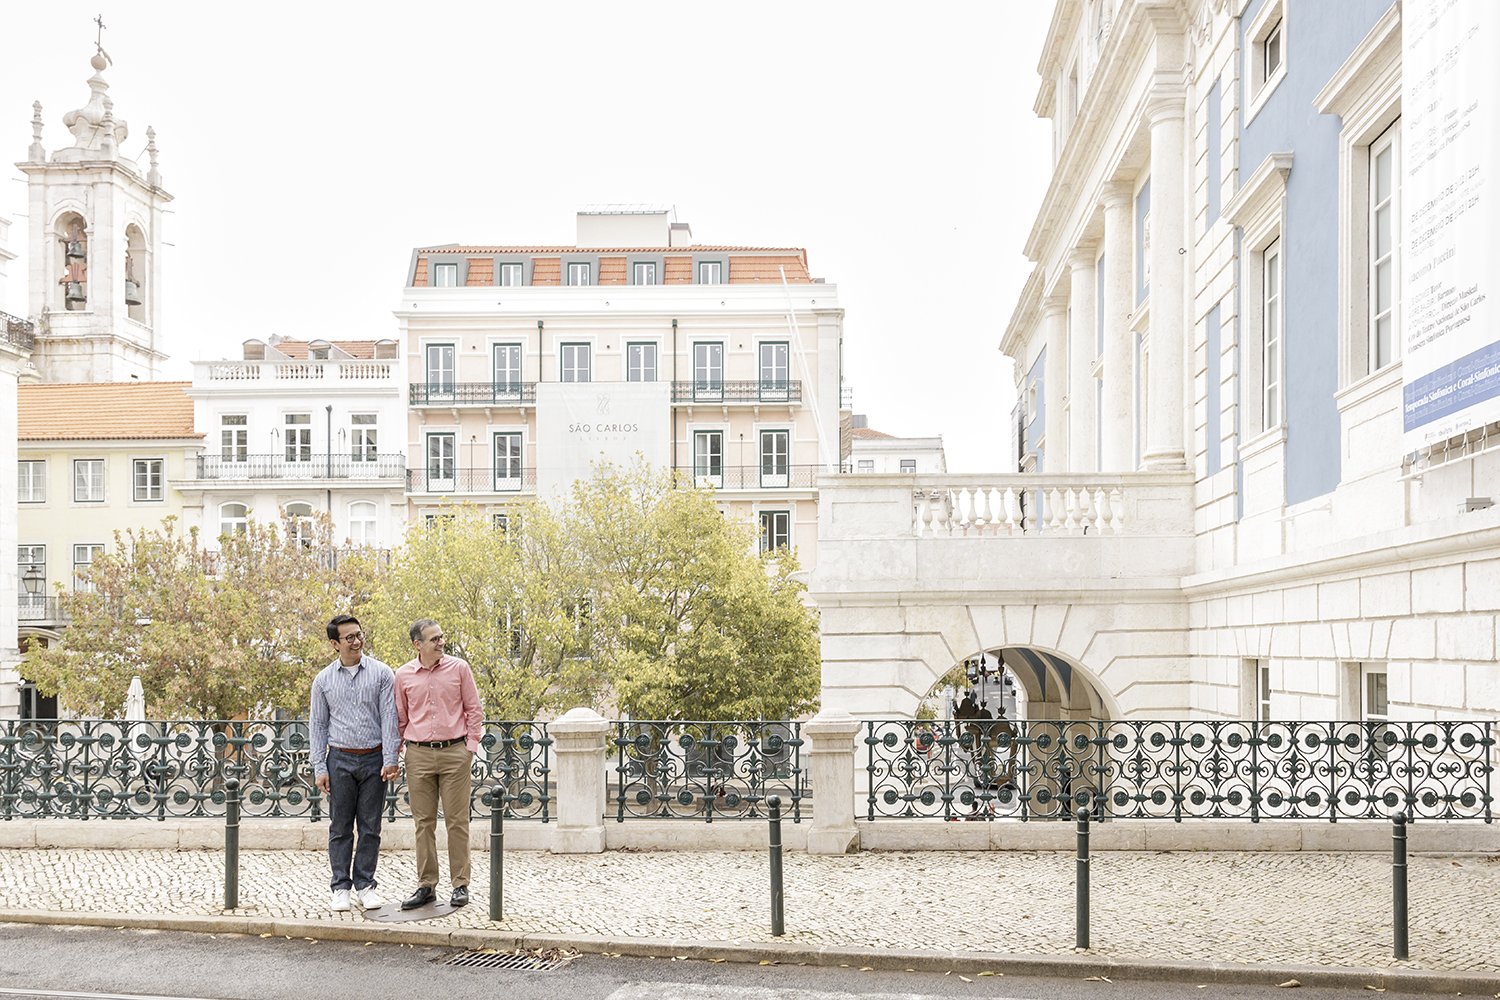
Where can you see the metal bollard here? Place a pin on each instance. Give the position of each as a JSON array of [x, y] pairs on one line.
[[497, 852], [1081, 883], [1398, 884], [232, 844], [778, 916]]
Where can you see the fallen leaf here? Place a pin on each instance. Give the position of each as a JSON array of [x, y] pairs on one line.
[[866, 968], [1097, 979], [368, 943], [986, 973], [1375, 989], [716, 961], [767, 961], [966, 979], [1290, 984], [682, 958], [265, 935]]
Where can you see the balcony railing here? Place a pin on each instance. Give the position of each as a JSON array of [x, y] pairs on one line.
[[447, 482], [330, 372], [753, 477], [1017, 504], [764, 391], [472, 393], [309, 467], [39, 609], [17, 332]]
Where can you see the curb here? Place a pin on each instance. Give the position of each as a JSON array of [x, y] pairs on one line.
[[1408, 980]]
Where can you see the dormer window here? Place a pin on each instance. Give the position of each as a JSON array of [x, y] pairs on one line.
[[580, 273], [385, 350], [710, 272], [643, 273], [445, 275], [317, 351], [512, 274]]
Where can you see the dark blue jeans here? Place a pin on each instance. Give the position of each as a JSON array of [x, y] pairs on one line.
[[356, 794]]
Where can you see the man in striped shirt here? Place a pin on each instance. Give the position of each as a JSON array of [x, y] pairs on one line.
[[355, 741]]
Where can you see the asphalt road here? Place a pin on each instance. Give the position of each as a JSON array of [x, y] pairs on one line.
[[58, 962]]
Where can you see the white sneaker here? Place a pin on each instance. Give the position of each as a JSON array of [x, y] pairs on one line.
[[340, 902], [369, 898]]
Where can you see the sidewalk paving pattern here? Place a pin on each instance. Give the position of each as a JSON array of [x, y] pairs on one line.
[[1313, 909]]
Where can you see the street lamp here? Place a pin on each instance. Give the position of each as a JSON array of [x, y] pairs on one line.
[[33, 579]]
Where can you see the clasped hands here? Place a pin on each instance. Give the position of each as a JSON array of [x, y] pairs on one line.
[[386, 774]]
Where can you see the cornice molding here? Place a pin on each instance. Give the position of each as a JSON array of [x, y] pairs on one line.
[[1265, 185], [1374, 60]]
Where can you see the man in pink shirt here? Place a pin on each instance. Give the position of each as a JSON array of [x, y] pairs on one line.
[[441, 722]]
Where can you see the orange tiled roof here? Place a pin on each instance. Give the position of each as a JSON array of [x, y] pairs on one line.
[[869, 433], [363, 350], [105, 411], [747, 265]]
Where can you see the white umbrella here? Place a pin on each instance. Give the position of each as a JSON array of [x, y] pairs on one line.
[[135, 702]]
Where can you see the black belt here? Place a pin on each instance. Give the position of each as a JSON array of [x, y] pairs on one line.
[[361, 753], [437, 744]]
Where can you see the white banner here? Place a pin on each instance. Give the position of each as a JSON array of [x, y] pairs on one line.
[[1450, 238], [579, 424]]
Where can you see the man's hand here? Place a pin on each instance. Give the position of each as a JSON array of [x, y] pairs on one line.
[[323, 784], [390, 773]]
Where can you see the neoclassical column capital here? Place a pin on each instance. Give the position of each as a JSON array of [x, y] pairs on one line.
[[1167, 101], [1113, 194], [1083, 258], [1054, 305]]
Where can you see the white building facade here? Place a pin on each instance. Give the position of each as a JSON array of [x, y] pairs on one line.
[[17, 338], [1218, 510], [874, 451], [298, 428], [529, 365]]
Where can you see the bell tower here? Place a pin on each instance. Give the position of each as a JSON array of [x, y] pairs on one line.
[[95, 240]]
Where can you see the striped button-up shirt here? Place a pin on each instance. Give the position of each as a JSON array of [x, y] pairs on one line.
[[354, 707]]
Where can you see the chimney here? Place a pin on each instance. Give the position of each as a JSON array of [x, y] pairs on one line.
[[680, 235]]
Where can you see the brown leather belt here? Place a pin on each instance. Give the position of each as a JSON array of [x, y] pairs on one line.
[[357, 753]]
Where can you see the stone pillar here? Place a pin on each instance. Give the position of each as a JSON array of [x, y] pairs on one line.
[[580, 741], [1119, 362], [1165, 420], [830, 747], [1055, 383], [1083, 336]]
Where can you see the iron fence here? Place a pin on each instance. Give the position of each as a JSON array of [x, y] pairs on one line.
[[986, 769], [707, 770], [448, 481], [305, 465], [93, 769], [472, 393], [18, 332], [746, 391]]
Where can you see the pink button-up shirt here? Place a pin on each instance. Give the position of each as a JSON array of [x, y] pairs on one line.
[[440, 702]]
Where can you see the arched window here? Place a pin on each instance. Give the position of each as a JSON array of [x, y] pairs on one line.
[[72, 240], [137, 271], [299, 523], [362, 523], [233, 518]]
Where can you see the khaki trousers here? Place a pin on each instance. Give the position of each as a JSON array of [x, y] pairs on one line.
[[434, 777]]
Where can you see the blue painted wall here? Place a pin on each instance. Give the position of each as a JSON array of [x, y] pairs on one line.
[[1215, 345], [1142, 209], [1320, 37], [1038, 425]]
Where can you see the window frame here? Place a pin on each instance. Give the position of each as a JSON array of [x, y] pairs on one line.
[[234, 438], [1270, 24], [1271, 382], [779, 456], [241, 521], [632, 370], [508, 388], [94, 551], [372, 532], [565, 365], [438, 387], [772, 388], [103, 480], [903, 466], [573, 269], [1388, 140], [708, 465], [161, 480], [444, 267], [296, 437], [450, 461], [769, 532], [27, 486], [705, 385], [364, 437], [504, 268], [720, 273], [515, 472]]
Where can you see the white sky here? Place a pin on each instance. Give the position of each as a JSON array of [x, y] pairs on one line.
[[310, 146]]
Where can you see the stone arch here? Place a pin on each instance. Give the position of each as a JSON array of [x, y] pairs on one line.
[[137, 271], [1051, 685], [71, 257]]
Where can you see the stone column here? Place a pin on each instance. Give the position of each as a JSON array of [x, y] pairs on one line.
[[1119, 362], [1165, 419], [1083, 336], [1055, 384], [580, 740], [830, 747]]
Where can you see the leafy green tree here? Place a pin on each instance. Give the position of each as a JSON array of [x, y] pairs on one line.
[[502, 597], [687, 621], [213, 635]]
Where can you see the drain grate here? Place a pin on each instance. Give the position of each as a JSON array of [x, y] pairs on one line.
[[488, 958]]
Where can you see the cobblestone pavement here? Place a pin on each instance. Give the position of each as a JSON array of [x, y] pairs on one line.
[[1318, 909]]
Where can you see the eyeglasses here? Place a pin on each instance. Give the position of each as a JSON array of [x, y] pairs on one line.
[[353, 637]]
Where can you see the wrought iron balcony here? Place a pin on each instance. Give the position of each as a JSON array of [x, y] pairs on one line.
[[450, 481], [17, 332], [473, 393], [303, 467], [753, 477], [764, 391], [39, 609]]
